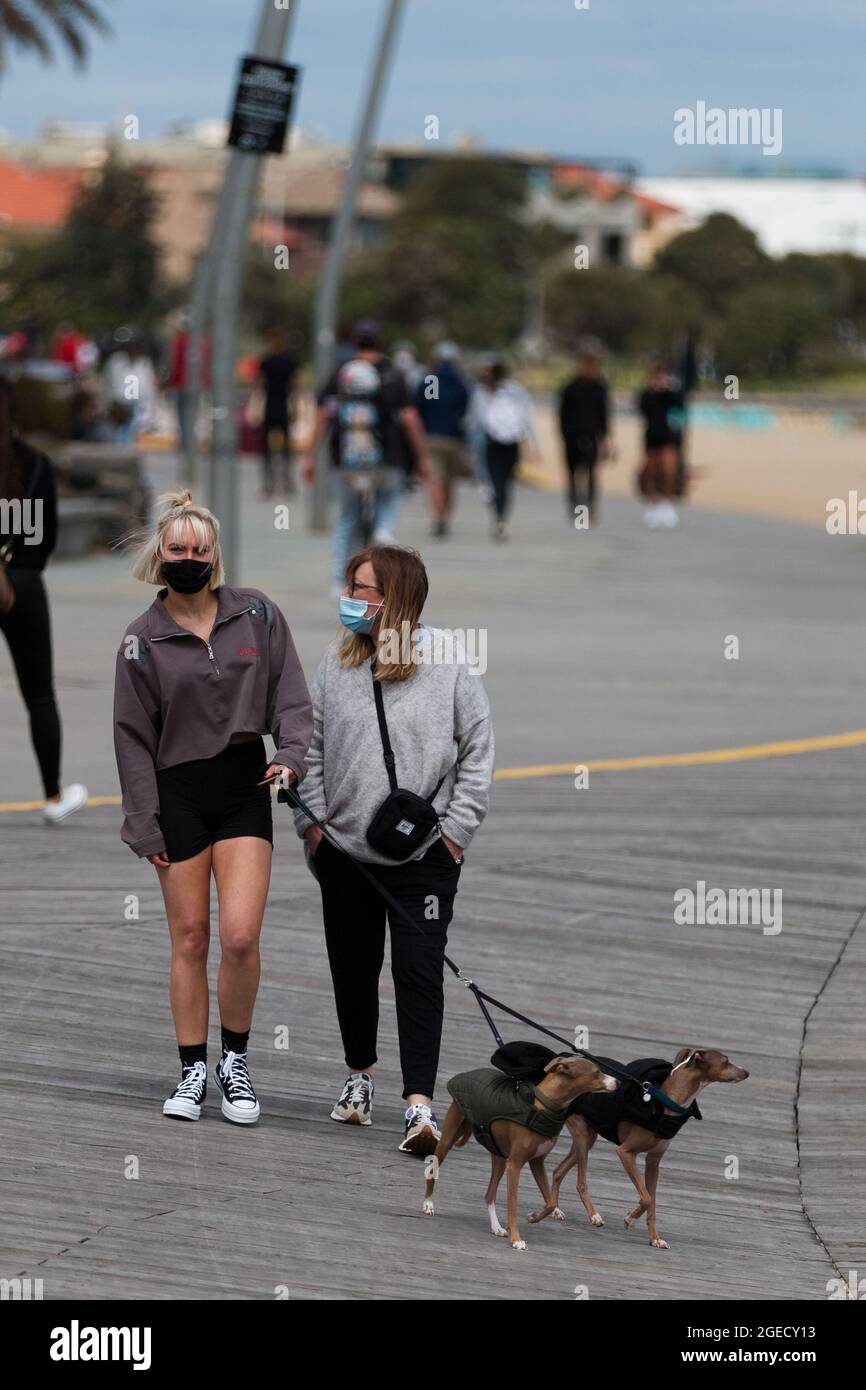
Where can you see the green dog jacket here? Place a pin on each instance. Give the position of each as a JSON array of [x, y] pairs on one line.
[[486, 1095]]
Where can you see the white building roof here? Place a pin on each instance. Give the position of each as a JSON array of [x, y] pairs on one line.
[[787, 214]]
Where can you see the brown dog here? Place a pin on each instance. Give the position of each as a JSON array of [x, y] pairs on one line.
[[693, 1069], [514, 1143]]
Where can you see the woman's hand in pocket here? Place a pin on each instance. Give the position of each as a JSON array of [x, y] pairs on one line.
[[454, 850], [312, 836]]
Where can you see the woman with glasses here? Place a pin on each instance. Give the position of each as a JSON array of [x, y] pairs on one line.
[[440, 731]]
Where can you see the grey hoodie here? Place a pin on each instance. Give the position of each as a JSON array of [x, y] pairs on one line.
[[439, 724], [178, 698]]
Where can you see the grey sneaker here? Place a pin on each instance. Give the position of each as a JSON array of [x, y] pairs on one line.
[[422, 1131], [355, 1106]]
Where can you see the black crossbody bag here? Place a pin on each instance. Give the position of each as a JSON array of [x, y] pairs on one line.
[[404, 820]]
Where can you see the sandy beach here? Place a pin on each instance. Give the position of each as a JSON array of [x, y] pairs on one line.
[[788, 467]]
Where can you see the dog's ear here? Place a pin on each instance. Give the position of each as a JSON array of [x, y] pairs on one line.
[[559, 1065], [688, 1054]]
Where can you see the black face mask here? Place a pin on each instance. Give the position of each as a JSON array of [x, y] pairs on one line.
[[186, 576]]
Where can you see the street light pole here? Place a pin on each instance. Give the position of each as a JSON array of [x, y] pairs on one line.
[[325, 315], [220, 277]]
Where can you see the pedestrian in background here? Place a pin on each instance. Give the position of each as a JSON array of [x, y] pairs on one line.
[[503, 410], [442, 399], [28, 534], [279, 373], [365, 409], [583, 423], [661, 405]]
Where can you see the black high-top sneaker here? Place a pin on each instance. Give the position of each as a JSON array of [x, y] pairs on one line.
[[185, 1101], [233, 1079]]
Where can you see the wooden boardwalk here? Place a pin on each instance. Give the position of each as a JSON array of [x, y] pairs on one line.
[[565, 910]]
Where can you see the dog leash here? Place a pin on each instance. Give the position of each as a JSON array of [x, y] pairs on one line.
[[289, 795]]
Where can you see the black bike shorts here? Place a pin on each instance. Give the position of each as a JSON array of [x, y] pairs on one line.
[[212, 799]]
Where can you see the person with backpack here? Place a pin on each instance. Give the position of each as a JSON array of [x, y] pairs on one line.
[[442, 399], [366, 408], [28, 534], [503, 410], [399, 772], [583, 423]]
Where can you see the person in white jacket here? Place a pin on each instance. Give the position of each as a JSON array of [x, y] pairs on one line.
[[503, 412]]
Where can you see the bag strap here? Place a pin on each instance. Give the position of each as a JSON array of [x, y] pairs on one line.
[[383, 731], [388, 751]]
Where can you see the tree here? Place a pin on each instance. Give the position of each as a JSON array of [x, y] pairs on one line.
[[30, 24], [458, 256], [716, 260], [774, 330], [101, 269]]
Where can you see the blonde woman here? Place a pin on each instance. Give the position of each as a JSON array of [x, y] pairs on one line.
[[439, 728], [201, 676]]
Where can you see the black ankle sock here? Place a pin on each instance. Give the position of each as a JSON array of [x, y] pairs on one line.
[[190, 1055], [235, 1042]]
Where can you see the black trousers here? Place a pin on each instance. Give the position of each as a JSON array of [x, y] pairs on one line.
[[27, 629], [501, 462], [581, 456], [354, 916], [275, 424]]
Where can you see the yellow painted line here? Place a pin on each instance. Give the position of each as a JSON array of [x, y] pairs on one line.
[[750, 753]]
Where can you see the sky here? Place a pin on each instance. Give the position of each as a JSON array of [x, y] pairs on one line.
[[528, 74]]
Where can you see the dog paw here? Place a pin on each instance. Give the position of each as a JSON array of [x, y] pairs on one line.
[[558, 1214], [518, 1245], [536, 1216], [598, 1219], [659, 1244], [499, 1231], [427, 1207]]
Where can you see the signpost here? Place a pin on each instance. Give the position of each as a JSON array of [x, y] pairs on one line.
[[263, 103], [261, 109]]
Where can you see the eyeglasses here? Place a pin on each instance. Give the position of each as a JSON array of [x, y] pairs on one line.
[[368, 588]]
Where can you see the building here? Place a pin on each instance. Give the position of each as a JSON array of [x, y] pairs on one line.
[[812, 215]]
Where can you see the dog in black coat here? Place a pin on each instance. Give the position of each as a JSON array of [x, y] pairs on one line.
[[638, 1127]]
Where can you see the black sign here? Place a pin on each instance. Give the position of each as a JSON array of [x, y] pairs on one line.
[[263, 102]]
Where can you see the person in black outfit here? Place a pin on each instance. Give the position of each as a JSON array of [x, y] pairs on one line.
[[583, 422], [28, 533], [662, 406], [278, 370]]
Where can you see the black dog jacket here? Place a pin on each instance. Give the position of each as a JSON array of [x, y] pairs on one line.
[[604, 1109]]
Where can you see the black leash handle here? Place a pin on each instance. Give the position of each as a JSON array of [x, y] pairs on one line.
[[293, 798]]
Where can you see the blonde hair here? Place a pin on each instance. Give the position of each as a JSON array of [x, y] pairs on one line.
[[175, 512]]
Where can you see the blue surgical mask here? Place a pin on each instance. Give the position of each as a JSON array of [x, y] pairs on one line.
[[352, 614]]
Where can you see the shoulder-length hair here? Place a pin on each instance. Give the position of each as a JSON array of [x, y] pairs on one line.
[[175, 512], [401, 576]]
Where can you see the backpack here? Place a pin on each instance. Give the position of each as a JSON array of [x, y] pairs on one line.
[[360, 419], [503, 417]]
